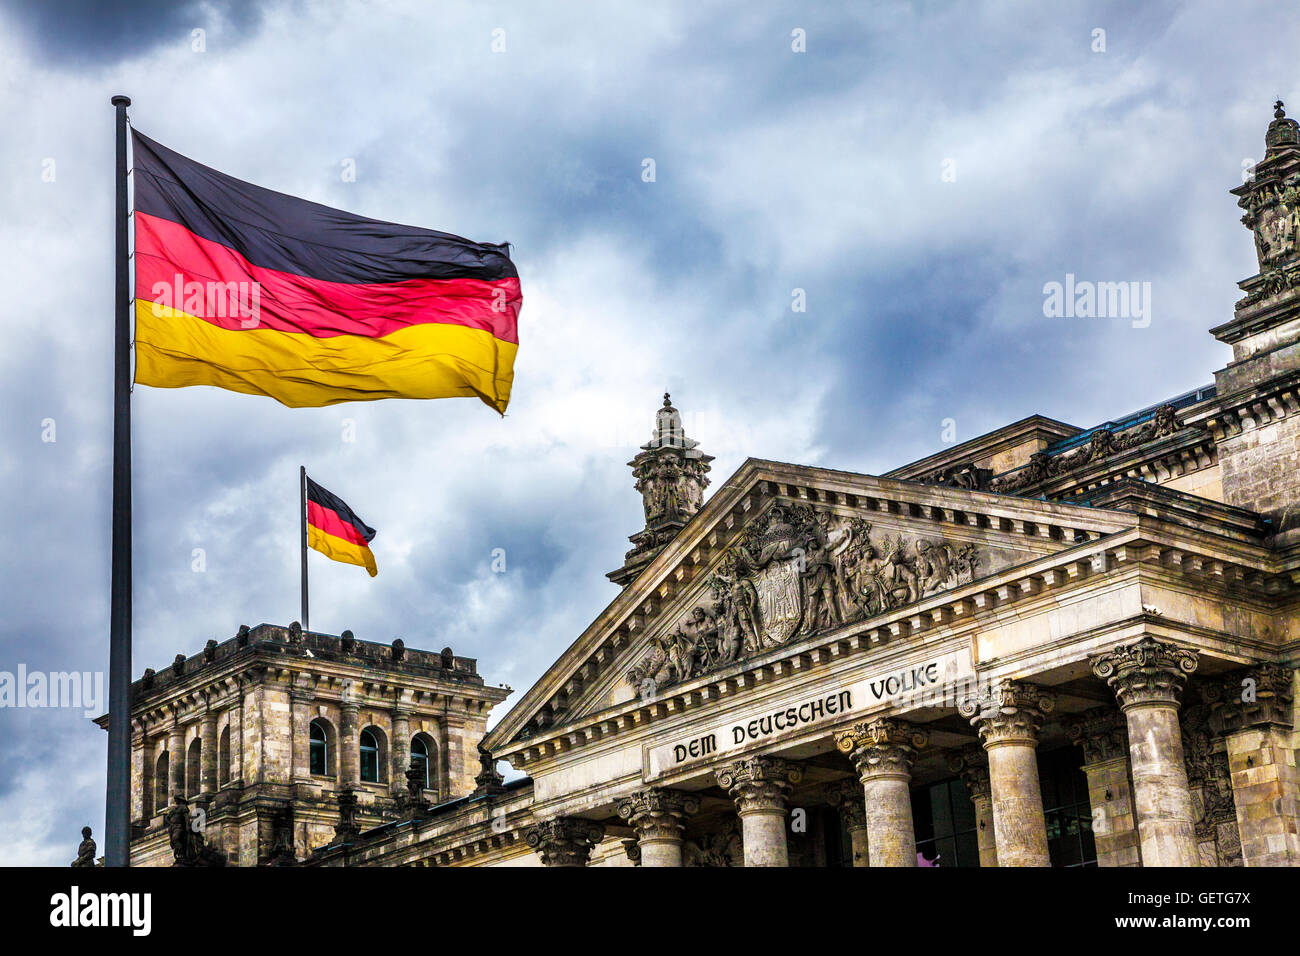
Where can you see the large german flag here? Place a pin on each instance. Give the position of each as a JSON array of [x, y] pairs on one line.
[[254, 291], [335, 531]]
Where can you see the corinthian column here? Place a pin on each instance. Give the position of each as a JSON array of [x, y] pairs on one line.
[[973, 767], [846, 795], [1148, 678], [564, 841], [1008, 718], [761, 786], [658, 817], [883, 751]]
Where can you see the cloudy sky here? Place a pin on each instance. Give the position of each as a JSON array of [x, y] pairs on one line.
[[919, 171]]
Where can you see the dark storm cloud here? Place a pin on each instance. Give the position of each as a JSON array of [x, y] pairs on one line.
[[775, 171], [76, 34]]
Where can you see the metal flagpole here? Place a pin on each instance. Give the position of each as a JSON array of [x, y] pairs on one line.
[[302, 515], [117, 809]]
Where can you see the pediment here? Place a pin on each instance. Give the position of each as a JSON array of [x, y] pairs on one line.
[[780, 555]]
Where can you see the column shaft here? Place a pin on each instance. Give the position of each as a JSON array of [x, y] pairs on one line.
[[349, 746], [1017, 803], [401, 749], [175, 762], [891, 836], [208, 752]]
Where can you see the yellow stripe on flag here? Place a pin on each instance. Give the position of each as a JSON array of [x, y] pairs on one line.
[[176, 349], [337, 549]]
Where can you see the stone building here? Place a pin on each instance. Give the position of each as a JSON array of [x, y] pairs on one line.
[[261, 739], [1048, 645]]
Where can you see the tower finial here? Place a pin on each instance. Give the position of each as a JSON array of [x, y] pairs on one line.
[[668, 402], [1278, 112]]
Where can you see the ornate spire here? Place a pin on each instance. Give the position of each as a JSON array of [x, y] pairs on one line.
[[1283, 132], [671, 474]]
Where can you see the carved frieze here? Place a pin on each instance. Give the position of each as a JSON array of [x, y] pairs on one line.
[[796, 573], [1103, 443], [1210, 782]]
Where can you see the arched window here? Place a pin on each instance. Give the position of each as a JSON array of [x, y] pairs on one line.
[[193, 763], [319, 750], [420, 758], [223, 757], [369, 757], [161, 798]]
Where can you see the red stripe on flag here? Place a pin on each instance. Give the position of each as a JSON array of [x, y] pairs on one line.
[[293, 303], [329, 521]]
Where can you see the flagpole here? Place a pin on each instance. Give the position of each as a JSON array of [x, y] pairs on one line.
[[117, 808], [302, 516]]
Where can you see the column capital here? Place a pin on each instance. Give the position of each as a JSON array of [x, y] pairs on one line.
[[1258, 696], [564, 841], [884, 747], [1146, 672], [400, 713], [1010, 711], [1102, 734], [759, 784], [656, 813], [972, 765], [847, 796]]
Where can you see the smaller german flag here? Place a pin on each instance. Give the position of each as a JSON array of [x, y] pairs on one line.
[[335, 531]]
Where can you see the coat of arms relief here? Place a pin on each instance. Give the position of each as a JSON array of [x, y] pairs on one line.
[[795, 573]]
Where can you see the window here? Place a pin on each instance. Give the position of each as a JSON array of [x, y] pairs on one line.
[[160, 795], [223, 757], [193, 763], [369, 757], [420, 759], [318, 759], [944, 817], [1066, 808]]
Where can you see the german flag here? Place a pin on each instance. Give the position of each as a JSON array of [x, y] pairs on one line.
[[335, 531], [258, 292]]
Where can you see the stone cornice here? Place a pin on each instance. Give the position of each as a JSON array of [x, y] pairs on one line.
[[1039, 427], [1189, 450], [1227, 416], [220, 685]]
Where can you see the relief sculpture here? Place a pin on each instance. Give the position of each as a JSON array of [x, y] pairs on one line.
[[796, 573]]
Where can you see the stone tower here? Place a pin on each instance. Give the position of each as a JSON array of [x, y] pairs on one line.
[[1256, 439], [271, 735], [671, 474]]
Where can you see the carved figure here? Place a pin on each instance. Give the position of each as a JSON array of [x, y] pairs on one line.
[[86, 851]]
